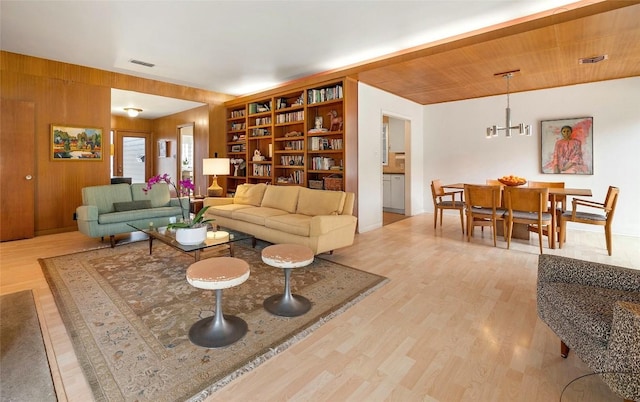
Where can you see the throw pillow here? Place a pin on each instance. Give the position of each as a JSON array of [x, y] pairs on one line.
[[320, 202], [249, 194], [281, 197], [131, 205]]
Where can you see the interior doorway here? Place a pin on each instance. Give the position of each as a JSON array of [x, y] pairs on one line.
[[396, 135], [132, 155], [18, 166]]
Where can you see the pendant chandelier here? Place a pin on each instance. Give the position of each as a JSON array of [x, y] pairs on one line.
[[522, 128]]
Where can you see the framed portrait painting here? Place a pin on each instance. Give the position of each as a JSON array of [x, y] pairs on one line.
[[76, 143], [567, 146]]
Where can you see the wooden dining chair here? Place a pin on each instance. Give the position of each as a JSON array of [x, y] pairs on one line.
[[483, 208], [608, 207], [446, 200], [493, 182], [560, 200], [529, 206]]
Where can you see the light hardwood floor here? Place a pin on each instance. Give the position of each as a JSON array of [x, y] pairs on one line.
[[457, 322]]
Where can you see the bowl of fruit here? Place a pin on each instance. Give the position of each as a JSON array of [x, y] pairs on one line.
[[512, 180]]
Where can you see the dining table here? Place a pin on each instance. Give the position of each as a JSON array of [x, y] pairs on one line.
[[554, 194]]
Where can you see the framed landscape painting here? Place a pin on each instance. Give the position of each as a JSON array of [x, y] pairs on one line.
[[567, 146], [76, 143]]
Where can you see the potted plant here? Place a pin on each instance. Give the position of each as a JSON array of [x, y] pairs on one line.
[[188, 231]]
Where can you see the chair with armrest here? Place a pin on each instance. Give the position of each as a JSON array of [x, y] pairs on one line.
[[483, 207], [603, 219], [594, 309], [528, 206], [561, 201], [445, 200]]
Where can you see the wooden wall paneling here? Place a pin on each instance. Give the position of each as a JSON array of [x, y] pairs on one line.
[[34, 66], [217, 141], [351, 138], [131, 124], [59, 183], [78, 95], [165, 128]]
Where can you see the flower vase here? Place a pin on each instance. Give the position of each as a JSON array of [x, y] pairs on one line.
[[191, 236]]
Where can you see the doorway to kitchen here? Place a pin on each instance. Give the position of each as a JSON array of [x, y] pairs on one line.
[[396, 133]]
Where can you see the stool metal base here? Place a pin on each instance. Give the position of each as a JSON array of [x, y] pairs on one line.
[[210, 334], [218, 330], [287, 305]]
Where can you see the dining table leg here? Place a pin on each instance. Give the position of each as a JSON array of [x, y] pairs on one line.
[[554, 222]]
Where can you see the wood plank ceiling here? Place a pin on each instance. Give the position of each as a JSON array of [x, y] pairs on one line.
[[545, 50]]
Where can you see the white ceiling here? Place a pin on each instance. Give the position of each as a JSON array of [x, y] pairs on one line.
[[239, 47], [152, 106]]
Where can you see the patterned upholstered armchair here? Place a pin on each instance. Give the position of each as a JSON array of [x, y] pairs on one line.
[[595, 310]]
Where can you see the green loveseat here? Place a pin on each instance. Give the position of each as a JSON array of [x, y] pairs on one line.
[[108, 210]]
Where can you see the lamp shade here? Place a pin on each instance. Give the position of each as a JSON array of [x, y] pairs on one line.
[[216, 166]]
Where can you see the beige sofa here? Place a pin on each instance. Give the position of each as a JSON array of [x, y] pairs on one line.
[[319, 219]]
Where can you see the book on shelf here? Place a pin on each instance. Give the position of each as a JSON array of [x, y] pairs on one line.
[[290, 117], [292, 160], [297, 145], [295, 177], [324, 144], [259, 107], [263, 120], [322, 163], [260, 132], [238, 126], [261, 170], [324, 94], [237, 113]]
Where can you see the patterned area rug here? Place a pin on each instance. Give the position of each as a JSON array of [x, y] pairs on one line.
[[129, 313], [24, 368]]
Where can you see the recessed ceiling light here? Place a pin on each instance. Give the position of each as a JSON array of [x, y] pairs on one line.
[[592, 60]]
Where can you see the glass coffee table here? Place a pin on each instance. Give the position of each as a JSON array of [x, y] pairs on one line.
[[221, 238]]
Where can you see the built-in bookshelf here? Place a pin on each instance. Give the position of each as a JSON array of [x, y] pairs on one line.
[[237, 146], [260, 141], [294, 137], [289, 139], [325, 133]]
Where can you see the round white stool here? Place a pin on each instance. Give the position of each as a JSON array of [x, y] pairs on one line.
[[287, 257], [216, 274]]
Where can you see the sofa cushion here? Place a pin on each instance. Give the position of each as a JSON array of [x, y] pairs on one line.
[[249, 194], [256, 215], [281, 197], [319, 202], [159, 194], [130, 216], [296, 224], [131, 205], [226, 210], [589, 308], [103, 197]]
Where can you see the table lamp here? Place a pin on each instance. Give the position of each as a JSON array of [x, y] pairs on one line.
[[214, 167]]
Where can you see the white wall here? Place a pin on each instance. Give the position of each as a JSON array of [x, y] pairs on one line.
[[372, 104], [455, 148]]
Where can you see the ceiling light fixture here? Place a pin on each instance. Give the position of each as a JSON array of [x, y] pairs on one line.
[[522, 129], [132, 111]]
